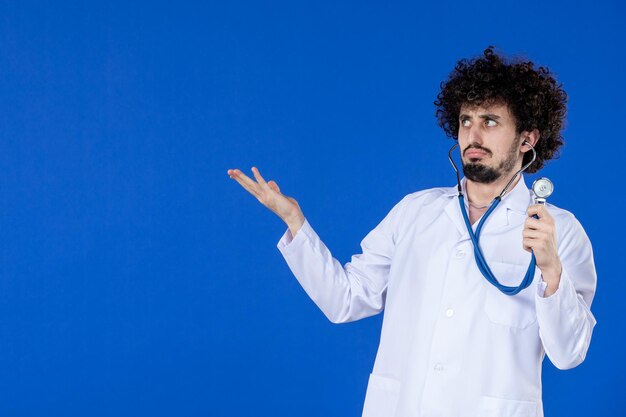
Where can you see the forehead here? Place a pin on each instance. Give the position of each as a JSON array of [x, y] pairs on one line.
[[499, 109]]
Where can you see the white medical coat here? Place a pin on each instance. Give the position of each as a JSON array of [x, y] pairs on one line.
[[453, 345]]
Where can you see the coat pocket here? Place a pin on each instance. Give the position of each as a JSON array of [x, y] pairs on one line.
[[498, 407], [516, 311], [381, 398]]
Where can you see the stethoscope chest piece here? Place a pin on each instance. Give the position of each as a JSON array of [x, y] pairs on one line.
[[542, 188]]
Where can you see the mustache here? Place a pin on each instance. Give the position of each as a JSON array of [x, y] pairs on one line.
[[477, 147]]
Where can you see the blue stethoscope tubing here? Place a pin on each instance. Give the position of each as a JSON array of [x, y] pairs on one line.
[[474, 236]]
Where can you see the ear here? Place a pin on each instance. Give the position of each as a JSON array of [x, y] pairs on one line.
[[530, 137]]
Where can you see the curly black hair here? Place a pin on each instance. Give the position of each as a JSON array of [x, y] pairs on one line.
[[532, 94]]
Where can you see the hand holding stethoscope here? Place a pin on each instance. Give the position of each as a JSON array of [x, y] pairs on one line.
[[539, 236]]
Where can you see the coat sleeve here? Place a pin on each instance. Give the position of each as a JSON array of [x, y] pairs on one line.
[[344, 293], [565, 319]]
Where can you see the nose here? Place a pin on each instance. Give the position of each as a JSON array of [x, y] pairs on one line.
[[473, 134]]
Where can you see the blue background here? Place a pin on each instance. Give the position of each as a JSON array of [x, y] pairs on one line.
[[137, 278]]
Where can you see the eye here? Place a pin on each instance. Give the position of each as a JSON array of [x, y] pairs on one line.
[[465, 122], [490, 123]]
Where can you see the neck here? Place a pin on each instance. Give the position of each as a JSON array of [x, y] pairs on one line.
[[483, 194]]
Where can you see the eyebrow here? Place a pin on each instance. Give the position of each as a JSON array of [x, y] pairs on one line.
[[482, 116]]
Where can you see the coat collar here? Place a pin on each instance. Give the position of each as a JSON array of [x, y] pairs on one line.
[[510, 212]]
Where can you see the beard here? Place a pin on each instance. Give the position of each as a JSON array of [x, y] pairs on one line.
[[481, 173]]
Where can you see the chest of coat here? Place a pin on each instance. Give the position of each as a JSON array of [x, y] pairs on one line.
[[434, 267]]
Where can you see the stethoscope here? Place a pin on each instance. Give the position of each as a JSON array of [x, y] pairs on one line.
[[542, 189]]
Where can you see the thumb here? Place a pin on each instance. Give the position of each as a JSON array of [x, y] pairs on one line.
[[274, 186]]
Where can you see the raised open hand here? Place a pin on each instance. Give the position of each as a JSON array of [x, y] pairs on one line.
[[268, 193]]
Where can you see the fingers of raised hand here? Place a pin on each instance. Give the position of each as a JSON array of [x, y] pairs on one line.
[[246, 182], [265, 192], [258, 176]]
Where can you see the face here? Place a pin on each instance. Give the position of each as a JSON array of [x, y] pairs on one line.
[[490, 146]]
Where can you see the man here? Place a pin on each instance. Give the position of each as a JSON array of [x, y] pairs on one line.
[[452, 344]]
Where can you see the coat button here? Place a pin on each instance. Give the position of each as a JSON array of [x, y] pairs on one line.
[[449, 312], [460, 254]]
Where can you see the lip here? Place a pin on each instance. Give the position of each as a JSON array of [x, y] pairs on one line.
[[475, 153]]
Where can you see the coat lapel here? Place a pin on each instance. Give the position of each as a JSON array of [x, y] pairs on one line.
[[453, 211]]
